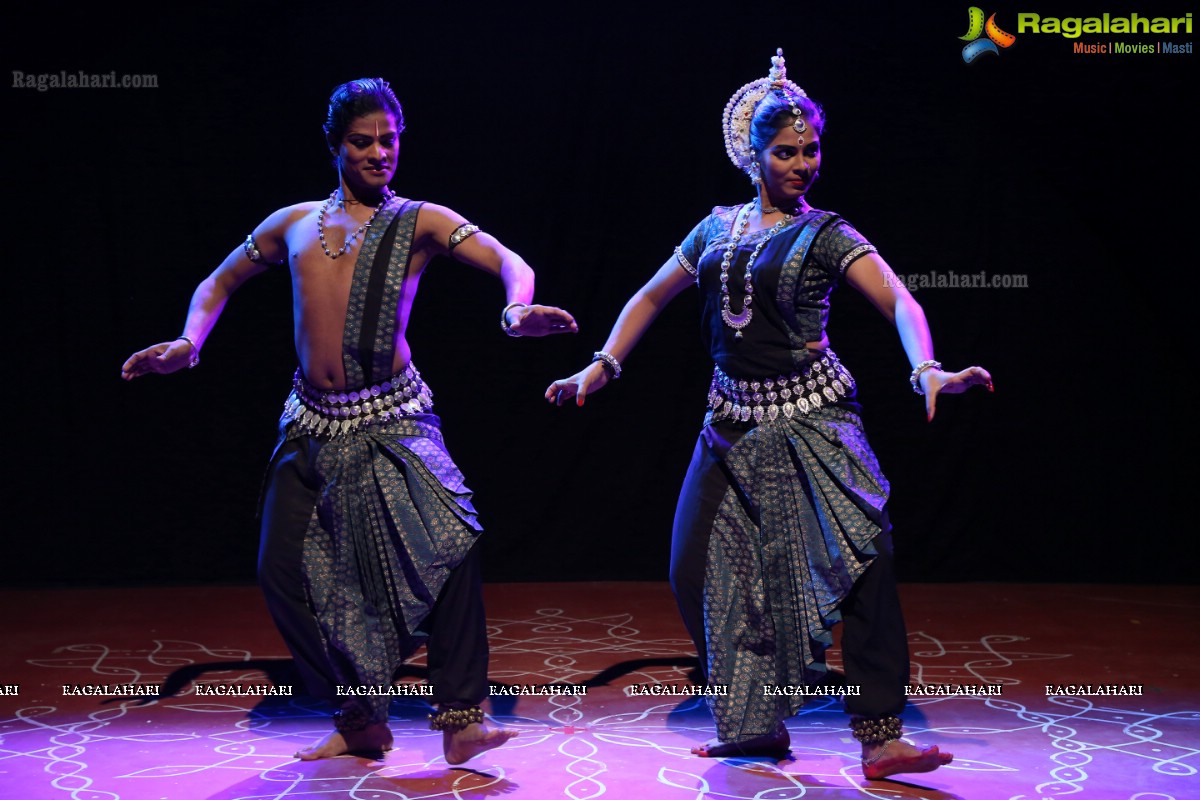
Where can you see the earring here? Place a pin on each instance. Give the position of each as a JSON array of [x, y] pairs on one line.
[[755, 174]]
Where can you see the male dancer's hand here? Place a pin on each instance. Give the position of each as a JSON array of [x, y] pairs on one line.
[[162, 358], [539, 320]]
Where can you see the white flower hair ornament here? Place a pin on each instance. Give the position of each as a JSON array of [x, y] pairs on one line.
[[739, 111]]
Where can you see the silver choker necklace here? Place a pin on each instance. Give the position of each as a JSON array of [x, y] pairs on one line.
[[773, 210]]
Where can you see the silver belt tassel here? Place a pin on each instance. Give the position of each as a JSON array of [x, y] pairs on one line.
[[825, 381], [321, 412]]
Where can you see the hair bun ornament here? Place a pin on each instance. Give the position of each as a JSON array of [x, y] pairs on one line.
[[739, 111]]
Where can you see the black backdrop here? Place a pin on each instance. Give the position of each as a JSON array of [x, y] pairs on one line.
[[587, 138]]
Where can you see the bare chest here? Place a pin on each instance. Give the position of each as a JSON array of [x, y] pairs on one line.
[[324, 277]]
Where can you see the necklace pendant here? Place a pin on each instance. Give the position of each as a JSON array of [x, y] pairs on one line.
[[737, 335], [737, 321]]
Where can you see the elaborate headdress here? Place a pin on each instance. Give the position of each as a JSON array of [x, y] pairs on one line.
[[739, 111]]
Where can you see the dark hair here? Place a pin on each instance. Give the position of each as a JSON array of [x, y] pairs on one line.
[[774, 113], [358, 98]]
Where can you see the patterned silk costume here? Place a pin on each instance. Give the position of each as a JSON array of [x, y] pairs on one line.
[[784, 499], [384, 517]]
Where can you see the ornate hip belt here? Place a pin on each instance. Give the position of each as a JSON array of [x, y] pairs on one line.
[[823, 382], [320, 411]]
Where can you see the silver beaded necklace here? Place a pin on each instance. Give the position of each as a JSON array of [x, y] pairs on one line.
[[388, 194], [742, 319]]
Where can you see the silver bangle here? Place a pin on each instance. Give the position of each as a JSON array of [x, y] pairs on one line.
[[195, 351], [504, 326], [609, 361], [915, 377]]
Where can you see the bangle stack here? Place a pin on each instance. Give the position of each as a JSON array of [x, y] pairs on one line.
[[915, 377], [504, 326], [195, 351], [609, 361]]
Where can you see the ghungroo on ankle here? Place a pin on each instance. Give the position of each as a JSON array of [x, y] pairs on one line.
[[351, 718], [455, 719], [877, 729]]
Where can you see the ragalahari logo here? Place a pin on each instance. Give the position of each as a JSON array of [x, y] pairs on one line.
[[976, 27]]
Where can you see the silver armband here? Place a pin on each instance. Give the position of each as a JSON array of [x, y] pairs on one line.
[[462, 233], [253, 253]]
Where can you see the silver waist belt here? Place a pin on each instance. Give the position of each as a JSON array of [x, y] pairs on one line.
[[321, 411], [823, 382]]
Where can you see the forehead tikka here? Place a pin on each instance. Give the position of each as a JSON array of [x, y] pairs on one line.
[[739, 111]]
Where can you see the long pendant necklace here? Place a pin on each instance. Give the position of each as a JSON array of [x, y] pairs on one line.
[[742, 319], [388, 194]]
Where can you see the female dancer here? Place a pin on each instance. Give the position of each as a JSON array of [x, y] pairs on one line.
[[781, 529]]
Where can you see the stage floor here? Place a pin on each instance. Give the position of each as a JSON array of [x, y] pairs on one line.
[[1011, 739]]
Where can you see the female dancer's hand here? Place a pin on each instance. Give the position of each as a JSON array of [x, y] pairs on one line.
[[589, 379], [936, 381]]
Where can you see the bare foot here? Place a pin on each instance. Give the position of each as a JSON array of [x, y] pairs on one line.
[[776, 745], [373, 740], [900, 756], [472, 740]]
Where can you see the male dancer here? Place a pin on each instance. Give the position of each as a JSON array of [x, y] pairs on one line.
[[368, 532]]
